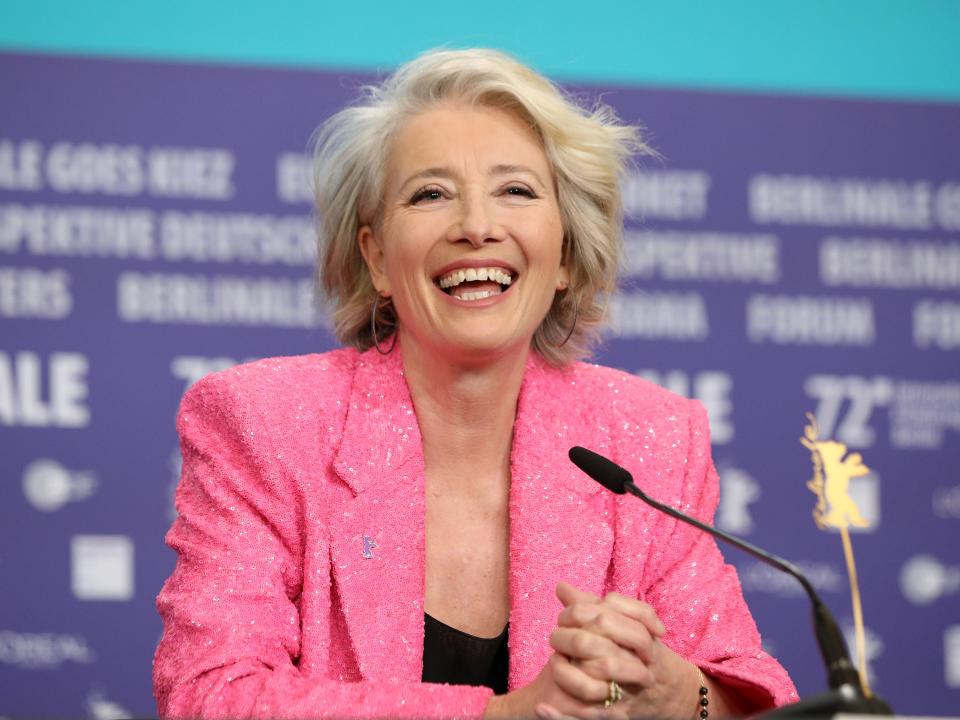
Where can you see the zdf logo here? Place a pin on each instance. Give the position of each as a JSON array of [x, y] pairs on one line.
[[924, 579], [48, 485]]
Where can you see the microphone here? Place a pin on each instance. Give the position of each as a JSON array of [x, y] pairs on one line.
[[842, 676]]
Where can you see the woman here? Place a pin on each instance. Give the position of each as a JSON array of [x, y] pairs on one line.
[[361, 528]]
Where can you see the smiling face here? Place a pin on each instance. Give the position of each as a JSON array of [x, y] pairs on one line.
[[469, 245]]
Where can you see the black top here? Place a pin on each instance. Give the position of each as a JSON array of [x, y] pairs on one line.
[[457, 658]]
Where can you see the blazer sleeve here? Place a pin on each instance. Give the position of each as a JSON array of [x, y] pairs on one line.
[[699, 597], [232, 627]]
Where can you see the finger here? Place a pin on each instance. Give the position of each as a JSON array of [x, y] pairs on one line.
[[614, 626], [614, 712], [624, 666], [580, 644], [568, 594], [636, 609], [578, 711], [629, 671], [577, 683]]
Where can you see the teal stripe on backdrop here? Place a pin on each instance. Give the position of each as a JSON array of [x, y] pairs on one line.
[[875, 48]]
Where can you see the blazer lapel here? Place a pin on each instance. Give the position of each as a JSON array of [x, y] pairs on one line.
[[561, 523], [377, 535]]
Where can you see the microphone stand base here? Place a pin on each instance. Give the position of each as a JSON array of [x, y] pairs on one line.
[[844, 700]]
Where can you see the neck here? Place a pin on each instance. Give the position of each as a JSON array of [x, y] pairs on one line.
[[465, 412]]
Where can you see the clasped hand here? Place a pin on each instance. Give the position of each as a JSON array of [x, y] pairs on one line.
[[596, 640]]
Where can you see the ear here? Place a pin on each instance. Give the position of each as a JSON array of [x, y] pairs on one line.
[[373, 256], [563, 278], [563, 272]]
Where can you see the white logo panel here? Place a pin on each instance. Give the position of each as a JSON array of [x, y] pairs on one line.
[[101, 708], [865, 493], [101, 567], [951, 656]]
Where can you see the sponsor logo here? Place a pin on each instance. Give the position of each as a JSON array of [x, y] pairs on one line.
[[951, 656], [924, 580], [48, 485], [101, 567], [42, 651], [738, 490]]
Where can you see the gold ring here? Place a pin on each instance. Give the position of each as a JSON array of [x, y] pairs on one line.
[[614, 694]]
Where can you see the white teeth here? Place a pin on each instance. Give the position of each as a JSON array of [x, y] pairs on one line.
[[454, 278], [478, 295]]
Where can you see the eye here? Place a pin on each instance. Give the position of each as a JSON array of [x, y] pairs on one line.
[[519, 191], [431, 193]]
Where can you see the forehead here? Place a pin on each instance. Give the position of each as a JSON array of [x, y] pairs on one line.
[[453, 135]]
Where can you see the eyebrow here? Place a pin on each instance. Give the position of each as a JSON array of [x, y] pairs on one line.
[[449, 174]]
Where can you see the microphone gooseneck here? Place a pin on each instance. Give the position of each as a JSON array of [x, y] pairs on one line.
[[842, 676]]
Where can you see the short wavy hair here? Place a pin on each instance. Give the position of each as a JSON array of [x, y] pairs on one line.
[[588, 150]]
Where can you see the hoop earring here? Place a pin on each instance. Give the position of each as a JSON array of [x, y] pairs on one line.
[[576, 313], [373, 330]]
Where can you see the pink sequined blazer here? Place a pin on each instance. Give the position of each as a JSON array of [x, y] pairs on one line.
[[299, 588]]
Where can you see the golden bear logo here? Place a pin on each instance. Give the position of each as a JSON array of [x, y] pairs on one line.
[[832, 471]]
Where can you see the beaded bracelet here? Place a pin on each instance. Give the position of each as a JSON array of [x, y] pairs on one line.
[[703, 702]]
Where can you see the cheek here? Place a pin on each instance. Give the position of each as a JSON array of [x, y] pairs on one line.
[[547, 248]]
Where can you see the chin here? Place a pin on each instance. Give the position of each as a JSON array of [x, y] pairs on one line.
[[474, 348]]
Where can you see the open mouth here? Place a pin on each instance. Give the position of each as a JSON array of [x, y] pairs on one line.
[[475, 283]]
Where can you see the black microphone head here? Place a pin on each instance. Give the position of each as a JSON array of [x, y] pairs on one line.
[[606, 472]]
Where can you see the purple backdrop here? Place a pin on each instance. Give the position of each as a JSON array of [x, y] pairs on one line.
[[785, 255]]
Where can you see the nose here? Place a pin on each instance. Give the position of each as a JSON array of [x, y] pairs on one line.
[[476, 222]]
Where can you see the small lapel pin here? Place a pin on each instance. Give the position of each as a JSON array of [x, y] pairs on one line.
[[368, 545]]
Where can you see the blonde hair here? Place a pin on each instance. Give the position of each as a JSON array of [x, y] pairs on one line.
[[587, 148]]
